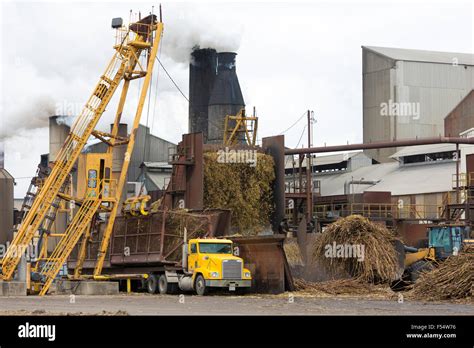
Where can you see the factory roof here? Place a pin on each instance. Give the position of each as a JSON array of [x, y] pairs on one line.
[[156, 165], [422, 55], [328, 159], [423, 149], [400, 180]]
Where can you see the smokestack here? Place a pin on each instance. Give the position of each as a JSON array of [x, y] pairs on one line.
[[202, 73], [6, 201], [58, 132], [226, 97]]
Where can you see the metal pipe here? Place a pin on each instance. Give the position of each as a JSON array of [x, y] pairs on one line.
[[457, 173], [381, 145], [348, 184], [184, 261]]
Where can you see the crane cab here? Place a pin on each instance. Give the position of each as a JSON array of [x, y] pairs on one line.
[[95, 176]]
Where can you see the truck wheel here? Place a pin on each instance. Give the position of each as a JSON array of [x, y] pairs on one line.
[[200, 285], [166, 288], [152, 284]]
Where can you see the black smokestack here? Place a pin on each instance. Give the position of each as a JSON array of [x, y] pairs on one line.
[[226, 97], [202, 73]]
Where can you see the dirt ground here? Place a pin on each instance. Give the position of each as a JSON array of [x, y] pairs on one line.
[[285, 304]]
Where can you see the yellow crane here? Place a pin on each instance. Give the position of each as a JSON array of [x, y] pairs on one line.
[[102, 192]]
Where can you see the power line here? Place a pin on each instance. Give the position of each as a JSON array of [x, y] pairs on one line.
[[180, 91], [299, 119], [301, 137], [174, 83]]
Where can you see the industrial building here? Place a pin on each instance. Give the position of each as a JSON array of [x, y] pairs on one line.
[[408, 93]]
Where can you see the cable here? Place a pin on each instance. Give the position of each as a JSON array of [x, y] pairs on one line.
[[299, 119], [174, 83], [301, 137], [180, 91]]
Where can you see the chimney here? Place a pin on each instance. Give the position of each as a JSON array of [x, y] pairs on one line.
[[202, 73], [58, 133], [226, 97], [6, 201]]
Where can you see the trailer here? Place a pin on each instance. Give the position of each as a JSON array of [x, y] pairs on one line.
[[173, 251]]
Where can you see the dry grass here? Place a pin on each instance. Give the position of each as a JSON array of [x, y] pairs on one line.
[[292, 251], [244, 189], [380, 262], [453, 279], [342, 287]]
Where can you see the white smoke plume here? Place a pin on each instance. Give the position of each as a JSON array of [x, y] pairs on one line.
[[191, 27], [65, 120], [23, 116]]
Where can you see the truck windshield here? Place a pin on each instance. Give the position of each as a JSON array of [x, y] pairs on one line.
[[215, 248]]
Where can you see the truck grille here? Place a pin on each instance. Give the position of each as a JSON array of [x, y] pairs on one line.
[[231, 269]]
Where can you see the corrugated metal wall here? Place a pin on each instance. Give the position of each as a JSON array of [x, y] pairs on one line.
[[148, 148], [438, 88]]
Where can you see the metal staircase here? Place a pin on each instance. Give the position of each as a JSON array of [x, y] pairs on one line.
[[73, 233]]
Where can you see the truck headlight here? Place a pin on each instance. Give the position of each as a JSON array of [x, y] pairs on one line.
[[247, 274], [214, 274]]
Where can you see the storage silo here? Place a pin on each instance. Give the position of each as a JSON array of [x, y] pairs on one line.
[[6, 201]]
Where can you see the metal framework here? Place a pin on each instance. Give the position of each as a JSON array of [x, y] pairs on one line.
[[244, 125], [140, 37]]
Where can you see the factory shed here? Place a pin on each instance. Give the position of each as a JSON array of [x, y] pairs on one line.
[[408, 93], [420, 170], [156, 175], [148, 148], [461, 118]]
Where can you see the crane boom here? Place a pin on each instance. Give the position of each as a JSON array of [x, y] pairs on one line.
[[138, 38]]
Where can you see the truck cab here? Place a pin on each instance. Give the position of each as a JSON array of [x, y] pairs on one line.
[[213, 265]]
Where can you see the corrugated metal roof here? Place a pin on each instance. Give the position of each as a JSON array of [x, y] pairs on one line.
[[422, 55], [333, 184], [327, 159], [423, 149], [157, 165], [414, 179], [424, 178]]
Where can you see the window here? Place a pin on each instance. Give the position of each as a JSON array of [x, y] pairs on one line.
[[92, 178], [193, 249], [215, 248]]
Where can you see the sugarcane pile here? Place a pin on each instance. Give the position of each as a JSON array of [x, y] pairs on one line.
[[340, 287], [374, 258], [452, 279], [244, 188], [292, 252]]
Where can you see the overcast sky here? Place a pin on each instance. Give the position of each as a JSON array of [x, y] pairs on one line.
[[291, 57]]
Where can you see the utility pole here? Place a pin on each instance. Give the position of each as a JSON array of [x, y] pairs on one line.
[[309, 179]]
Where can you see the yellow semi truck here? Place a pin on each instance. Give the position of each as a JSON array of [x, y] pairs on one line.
[[207, 264]]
